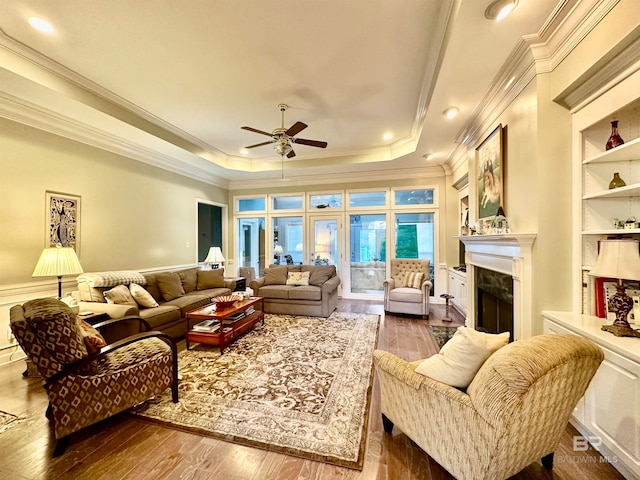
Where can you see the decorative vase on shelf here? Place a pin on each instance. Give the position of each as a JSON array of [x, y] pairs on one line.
[[615, 139], [616, 181]]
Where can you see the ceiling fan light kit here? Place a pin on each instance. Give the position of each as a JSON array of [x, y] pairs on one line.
[[282, 138]]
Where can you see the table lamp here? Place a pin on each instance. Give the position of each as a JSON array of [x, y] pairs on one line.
[[278, 251], [56, 262], [214, 258], [619, 259]]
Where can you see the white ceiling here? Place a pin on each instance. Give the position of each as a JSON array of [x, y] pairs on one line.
[[179, 78]]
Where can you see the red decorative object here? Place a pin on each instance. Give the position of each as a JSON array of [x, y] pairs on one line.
[[615, 139]]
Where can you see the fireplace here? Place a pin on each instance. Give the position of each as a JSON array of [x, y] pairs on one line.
[[494, 301], [511, 256]]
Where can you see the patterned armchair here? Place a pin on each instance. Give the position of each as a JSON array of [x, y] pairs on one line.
[[512, 414], [402, 294], [85, 379]]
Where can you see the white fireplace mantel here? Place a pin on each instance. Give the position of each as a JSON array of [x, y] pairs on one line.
[[510, 254]]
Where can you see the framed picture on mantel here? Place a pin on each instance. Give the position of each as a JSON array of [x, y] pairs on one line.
[[490, 174]]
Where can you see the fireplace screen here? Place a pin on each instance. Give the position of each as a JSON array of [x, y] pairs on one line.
[[494, 301]]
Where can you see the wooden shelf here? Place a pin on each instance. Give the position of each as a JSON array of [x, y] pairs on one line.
[[620, 192], [628, 151], [612, 231]]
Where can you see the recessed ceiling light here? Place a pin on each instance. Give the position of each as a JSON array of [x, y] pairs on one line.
[[499, 9], [41, 25], [244, 151], [427, 156], [387, 136], [451, 112]]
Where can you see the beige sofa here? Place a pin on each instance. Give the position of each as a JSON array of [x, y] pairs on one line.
[[318, 298], [175, 293]]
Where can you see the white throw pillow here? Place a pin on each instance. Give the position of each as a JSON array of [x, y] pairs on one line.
[[120, 295], [140, 295], [462, 356], [298, 278]]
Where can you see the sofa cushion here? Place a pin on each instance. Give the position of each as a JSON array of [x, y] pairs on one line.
[[210, 279], [170, 285], [462, 356], [189, 302], [413, 279], [210, 292], [319, 274], [142, 297], [275, 275], [406, 295], [161, 315], [309, 292], [152, 286], [276, 291], [120, 295], [189, 278], [298, 278]]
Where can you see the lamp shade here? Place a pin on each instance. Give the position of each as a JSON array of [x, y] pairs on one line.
[[278, 250], [214, 256], [618, 259], [56, 262]]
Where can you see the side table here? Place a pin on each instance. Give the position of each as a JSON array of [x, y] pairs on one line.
[[241, 283], [93, 318]]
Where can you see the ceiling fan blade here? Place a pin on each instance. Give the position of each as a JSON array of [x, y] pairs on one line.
[[296, 128], [291, 154], [258, 144], [255, 130], [311, 143]]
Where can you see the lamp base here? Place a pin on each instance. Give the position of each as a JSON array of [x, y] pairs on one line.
[[621, 330]]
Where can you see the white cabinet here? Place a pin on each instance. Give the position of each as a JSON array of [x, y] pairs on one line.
[[609, 413], [458, 288]]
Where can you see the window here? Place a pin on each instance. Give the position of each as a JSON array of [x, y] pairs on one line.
[[368, 252], [423, 196], [251, 243], [257, 204], [414, 237], [287, 240], [329, 200], [291, 202], [368, 199]]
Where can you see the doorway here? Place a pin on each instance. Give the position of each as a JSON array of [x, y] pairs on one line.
[[209, 228]]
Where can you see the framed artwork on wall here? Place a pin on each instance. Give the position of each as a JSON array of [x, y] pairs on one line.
[[63, 220], [490, 174]]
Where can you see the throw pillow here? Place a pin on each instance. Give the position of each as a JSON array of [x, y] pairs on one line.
[[92, 338], [120, 295], [210, 279], [320, 274], [462, 356], [189, 278], [413, 279], [275, 276], [298, 278], [141, 296], [170, 285]]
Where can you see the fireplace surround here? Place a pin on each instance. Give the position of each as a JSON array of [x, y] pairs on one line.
[[509, 254]]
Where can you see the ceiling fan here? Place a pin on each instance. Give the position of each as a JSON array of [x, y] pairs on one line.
[[282, 138]]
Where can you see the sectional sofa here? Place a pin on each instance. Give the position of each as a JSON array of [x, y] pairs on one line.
[[162, 298], [298, 289]]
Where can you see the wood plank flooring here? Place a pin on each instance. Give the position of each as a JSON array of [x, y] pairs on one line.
[[126, 448]]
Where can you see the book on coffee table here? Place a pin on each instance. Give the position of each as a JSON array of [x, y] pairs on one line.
[[206, 326]]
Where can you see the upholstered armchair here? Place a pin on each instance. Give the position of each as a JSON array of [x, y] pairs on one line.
[[87, 380], [406, 292], [512, 414]]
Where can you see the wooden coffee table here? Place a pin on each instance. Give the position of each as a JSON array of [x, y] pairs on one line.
[[228, 329]]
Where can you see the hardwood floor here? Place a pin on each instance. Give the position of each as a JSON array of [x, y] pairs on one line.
[[126, 448]]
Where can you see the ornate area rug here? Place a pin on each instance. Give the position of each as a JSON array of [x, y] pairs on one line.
[[297, 385], [8, 420]]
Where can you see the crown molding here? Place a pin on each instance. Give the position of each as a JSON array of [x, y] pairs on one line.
[[569, 23], [339, 177], [27, 113]]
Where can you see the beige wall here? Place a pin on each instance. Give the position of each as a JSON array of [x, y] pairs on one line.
[[132, 215]]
